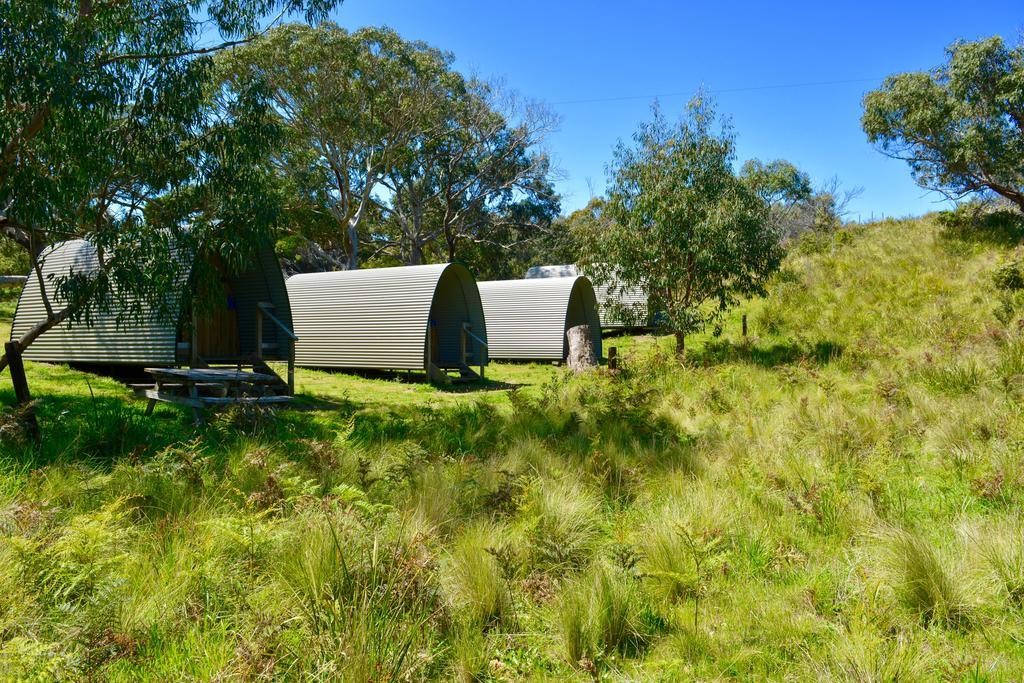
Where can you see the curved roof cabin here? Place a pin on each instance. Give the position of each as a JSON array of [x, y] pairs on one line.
[[633, 298], [528, 319], [229, 322], [405, 318]]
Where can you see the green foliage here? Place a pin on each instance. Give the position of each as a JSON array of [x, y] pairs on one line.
[[777, 181], [958, 126], [684, 227], [980, 221], [113, 133], [388, 147], [13, 259], [835, 496], [1009, 276]]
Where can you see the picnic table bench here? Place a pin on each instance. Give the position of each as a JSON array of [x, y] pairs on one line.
[[198, 388]]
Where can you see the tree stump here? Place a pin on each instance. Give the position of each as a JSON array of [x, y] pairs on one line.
[[582, 355]]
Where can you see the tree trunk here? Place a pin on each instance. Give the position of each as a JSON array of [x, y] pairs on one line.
[[12, 354], [415, 253], [582, 355], [353, 246], [681, 344]]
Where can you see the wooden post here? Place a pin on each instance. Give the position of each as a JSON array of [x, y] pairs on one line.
[[613, 358], [197, 413], [193, 359], [21, 392], [259, 333], [291, 367], [744, 324], [582, 355]]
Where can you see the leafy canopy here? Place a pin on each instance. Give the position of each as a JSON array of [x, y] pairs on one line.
[[960, 126], [110, 131], [390, 151], [683, 226]]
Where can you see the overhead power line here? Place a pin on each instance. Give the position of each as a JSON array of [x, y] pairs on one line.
[[716, 91]]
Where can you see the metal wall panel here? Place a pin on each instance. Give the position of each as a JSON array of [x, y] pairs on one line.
[[633, 298], [148, 340], [528, 319], [379, 317]]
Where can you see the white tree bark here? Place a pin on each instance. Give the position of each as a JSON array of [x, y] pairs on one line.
[[582, 355]]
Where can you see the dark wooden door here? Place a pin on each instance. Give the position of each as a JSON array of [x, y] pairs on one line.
[[217, 329]]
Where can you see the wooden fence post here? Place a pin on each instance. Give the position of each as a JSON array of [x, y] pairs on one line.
[[21, 392], [744, 324], [613, 358]]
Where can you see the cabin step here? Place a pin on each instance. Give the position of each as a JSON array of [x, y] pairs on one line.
[[468, 374], [440, 373], [280, 386]]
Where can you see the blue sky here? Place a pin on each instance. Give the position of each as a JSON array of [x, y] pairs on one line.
[[598, 65]]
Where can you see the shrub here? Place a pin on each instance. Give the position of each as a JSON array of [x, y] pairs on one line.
[[1009, 276]]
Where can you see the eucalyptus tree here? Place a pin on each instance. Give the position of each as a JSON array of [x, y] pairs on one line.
[[681, 225], [795, 206], [351, 104], [475, 183], [960, 126], [110, 131]]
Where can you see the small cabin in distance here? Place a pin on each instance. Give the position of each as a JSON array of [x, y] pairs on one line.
[[529, 319], [425, 318], [632, 298]]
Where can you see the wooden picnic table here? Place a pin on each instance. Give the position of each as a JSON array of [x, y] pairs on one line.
[[198, 388]]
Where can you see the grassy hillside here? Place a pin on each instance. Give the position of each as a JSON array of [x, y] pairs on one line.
[[838, 497]]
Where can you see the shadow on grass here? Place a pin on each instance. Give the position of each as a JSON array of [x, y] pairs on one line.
[[1000, 228], [414, 378], [768, 356], [98, 429], [478, 386]]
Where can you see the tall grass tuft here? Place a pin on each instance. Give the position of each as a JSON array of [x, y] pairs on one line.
[[924, 581], [600, 615], [365, 607], [568, 520], [476, 584], [1001, 546]]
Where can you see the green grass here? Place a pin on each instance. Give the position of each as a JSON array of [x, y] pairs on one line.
[[836, 497]]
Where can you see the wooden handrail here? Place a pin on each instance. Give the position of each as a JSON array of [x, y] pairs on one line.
[[265, 308], [478, 340]]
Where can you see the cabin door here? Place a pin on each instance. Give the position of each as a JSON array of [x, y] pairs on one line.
[[217, 331]]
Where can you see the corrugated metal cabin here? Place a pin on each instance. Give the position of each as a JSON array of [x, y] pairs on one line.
[[405, 318], [249, 319], [528, 319], [633, 298]]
